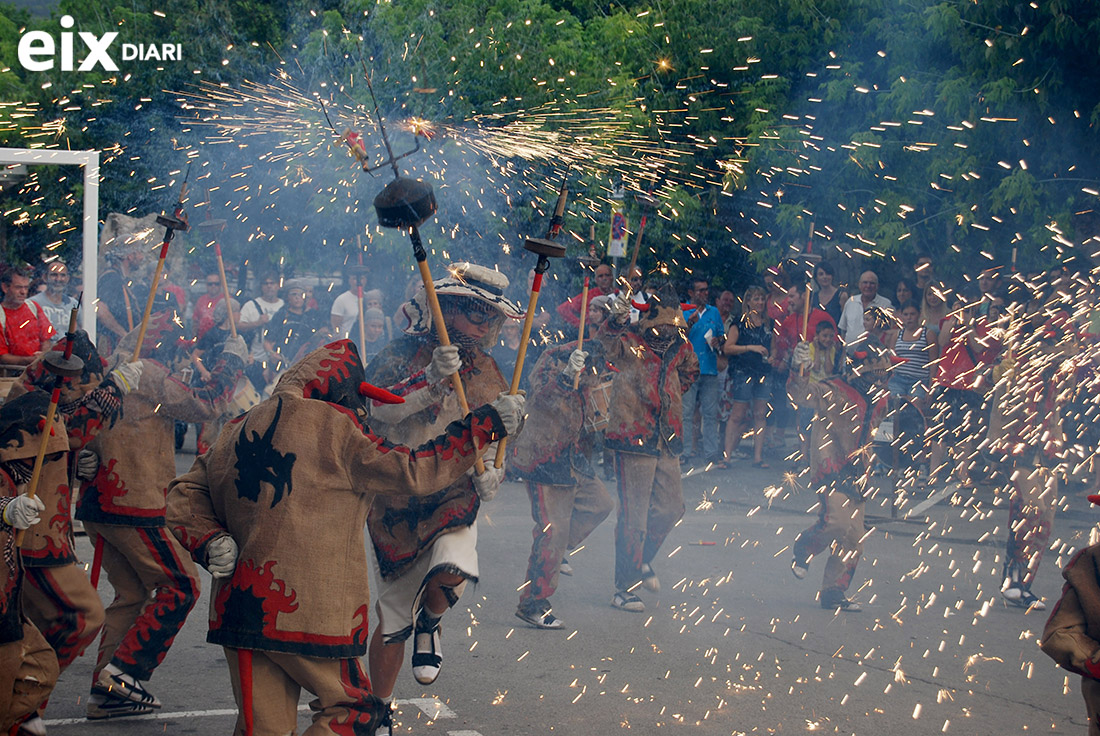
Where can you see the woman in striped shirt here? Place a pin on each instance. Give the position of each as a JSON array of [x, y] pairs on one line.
[[916, 342]]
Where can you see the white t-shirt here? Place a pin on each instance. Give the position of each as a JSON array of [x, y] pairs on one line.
[[346, 307], [251, 312], [57, 315], [851, 319]]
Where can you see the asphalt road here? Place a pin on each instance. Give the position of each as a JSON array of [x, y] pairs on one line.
[[733, 644]]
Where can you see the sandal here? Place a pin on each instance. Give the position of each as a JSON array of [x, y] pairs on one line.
[[720, 465], [760, 464]]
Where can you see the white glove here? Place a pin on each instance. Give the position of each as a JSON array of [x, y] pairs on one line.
[[128, 375], [576, 363], [801, 355], [236, 346], [619, 308], [488, 483], [221, 556], [87, 464], [23, 512], [445, 362], [510, 407]]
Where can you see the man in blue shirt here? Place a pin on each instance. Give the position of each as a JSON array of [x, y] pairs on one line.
[[706, 335]]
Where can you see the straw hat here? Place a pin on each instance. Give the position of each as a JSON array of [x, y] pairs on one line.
[[463, 280]]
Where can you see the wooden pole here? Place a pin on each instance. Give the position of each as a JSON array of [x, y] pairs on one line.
[[584, 316], [359, 286], [532, 304], [51, 412], [225, 288], [437, 319], [168, 232], [637, 247]]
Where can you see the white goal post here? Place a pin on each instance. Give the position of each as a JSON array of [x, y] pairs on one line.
[[89, 160]]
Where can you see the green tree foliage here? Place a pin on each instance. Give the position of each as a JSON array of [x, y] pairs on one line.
[[953, 127]]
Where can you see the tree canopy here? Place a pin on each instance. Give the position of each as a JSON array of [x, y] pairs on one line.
[[965, 130]]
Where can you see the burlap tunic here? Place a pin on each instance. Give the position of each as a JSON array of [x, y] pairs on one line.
[[402, 528], [647, 395], [1071, 636], [136, 457], [292, 481]]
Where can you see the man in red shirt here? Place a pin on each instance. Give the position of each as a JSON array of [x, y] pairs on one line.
[[202, 319], [26, 329], [968, 351], [570, 310]]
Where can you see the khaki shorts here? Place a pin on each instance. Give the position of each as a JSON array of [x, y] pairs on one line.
[[398, 600]]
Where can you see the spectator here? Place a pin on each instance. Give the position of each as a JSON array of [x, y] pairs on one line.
[[828, 297], [374, 332], [289, 329], [706, 335], [923, 272], [916, 343], [255, 315], [904, 292], [202, 318], [638, 293], [933, 307], [507, 348], [372, 299], [570, 310], [25, 330], [55, 301], [724, 304], [748, 344], [121, 296], [345, 308], [989, 283], [851, 319]]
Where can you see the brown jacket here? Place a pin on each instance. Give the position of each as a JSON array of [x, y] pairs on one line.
[[843, 427], [647, 395], [19, 442], [1071, 636], [402, 528], [547, 449], [137, 455], [291, 481]]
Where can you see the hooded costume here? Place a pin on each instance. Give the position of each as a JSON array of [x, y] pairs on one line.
[[1026, 434], [567, 500], [59, 598], [1071, 636], [429, 545], [28, 665], [123, 505], [846, 411], [403, 529], [656, 365], [291, 481]]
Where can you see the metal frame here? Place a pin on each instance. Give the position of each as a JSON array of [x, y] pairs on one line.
[[90, 161]]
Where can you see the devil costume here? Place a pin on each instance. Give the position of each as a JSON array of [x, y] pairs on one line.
[[846, 411], [567, 500], [291, 482], [59, 598], [656, 365], [123, 509], [1071, 636], [28, 665]]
